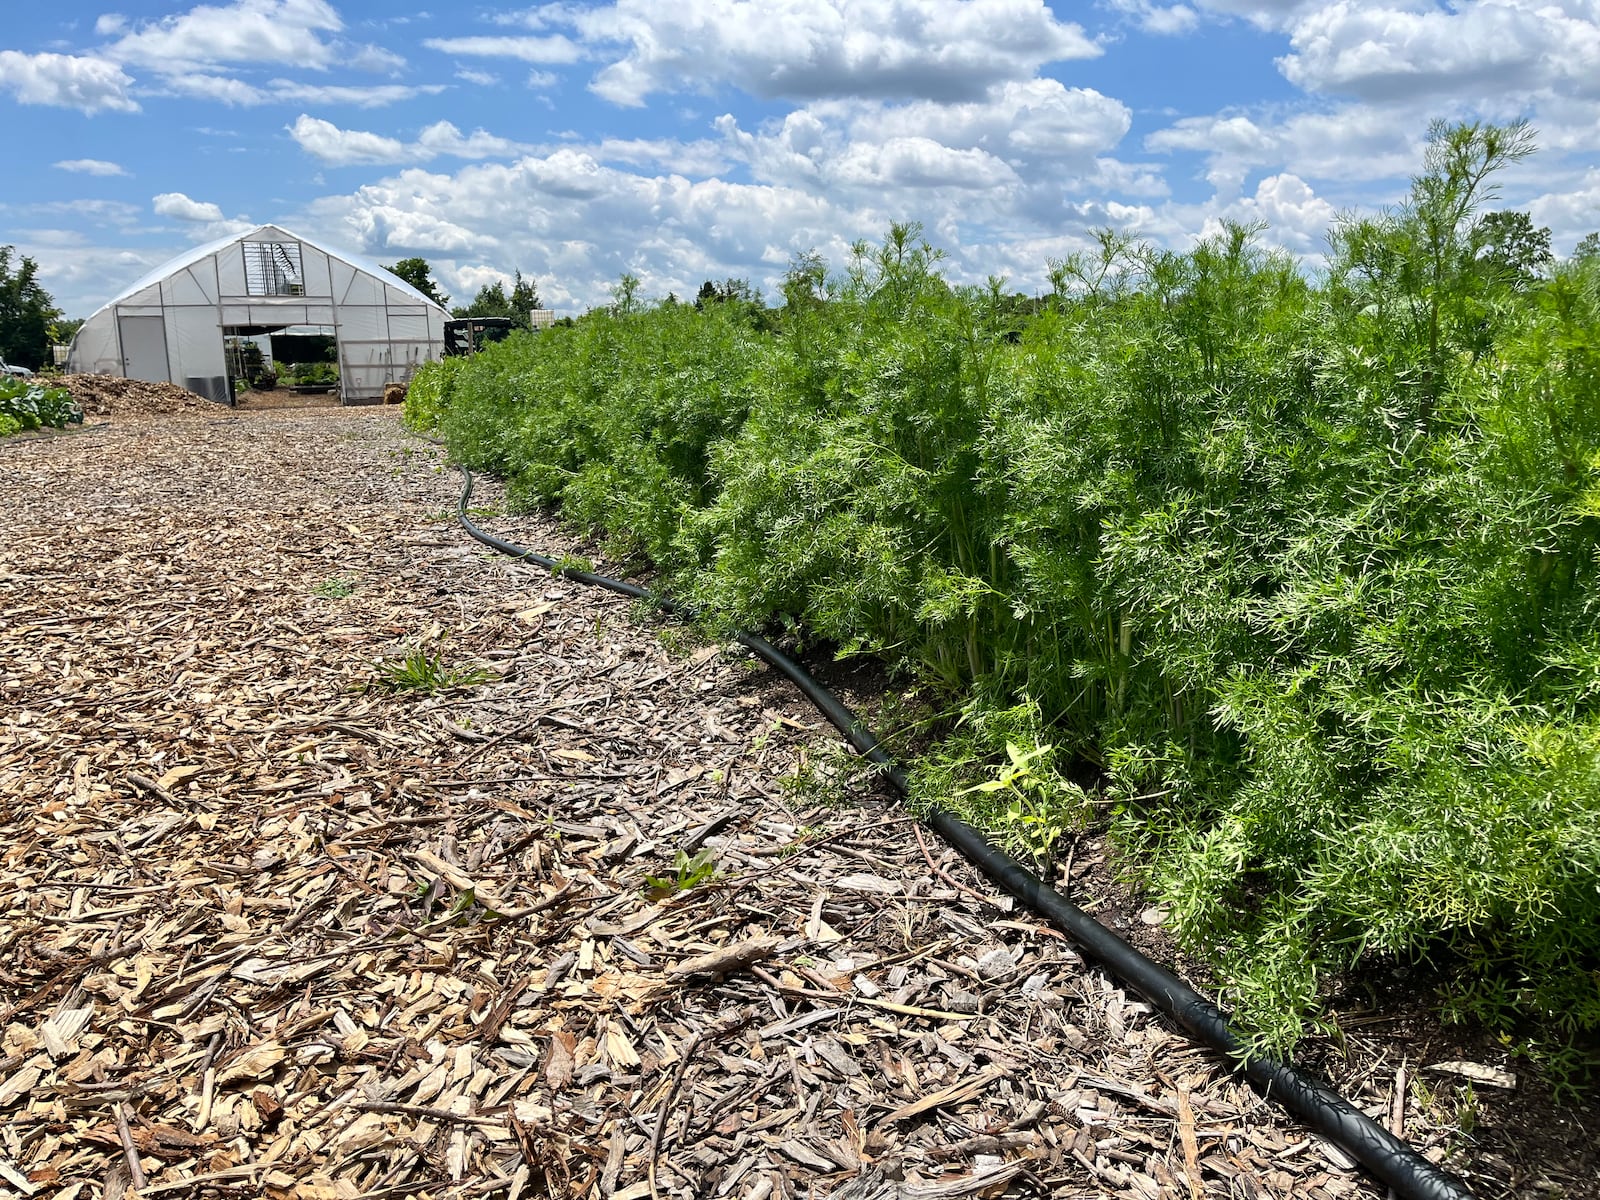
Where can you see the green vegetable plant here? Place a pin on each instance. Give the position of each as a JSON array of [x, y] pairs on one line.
[[28, 405], [1305, 567], [312, 374]]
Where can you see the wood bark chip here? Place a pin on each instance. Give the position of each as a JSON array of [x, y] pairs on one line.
[[269, 930], [1477, 1072], [727, 958], [954, 1094], [1191, 1146]]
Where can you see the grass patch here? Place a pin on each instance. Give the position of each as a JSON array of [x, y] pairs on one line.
[[335, 587], [419, 671]]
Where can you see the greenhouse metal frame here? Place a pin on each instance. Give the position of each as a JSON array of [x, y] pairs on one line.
[[173, 324]]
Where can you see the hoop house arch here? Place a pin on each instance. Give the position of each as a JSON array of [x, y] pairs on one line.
[[173, 324]]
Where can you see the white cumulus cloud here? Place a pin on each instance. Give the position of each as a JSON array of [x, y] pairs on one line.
[[525, 49], [1353, 143], [1165, 19], [327, 142], [1392, 50], [812, 49], [1296, 217], [248, 31], [86, 83], [180, 208]]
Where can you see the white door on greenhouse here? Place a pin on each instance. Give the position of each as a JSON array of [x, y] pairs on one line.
[[144, 348]]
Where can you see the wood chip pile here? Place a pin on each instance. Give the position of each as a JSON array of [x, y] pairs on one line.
[[266, 933], [108, 395]]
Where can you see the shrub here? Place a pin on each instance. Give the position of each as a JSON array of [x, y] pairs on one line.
[[428, 394], [1308, 575], [312, 374]]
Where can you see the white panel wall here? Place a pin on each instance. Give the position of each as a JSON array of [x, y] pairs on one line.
[[193, 285], [357, 324], [404, 326], [230, 270], [94, 349], [362, 289], [195, 341], [315, 269]]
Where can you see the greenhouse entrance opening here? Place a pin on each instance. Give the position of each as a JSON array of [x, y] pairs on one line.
[[288, 360]]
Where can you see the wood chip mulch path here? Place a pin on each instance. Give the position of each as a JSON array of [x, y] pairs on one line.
[[268, 929]]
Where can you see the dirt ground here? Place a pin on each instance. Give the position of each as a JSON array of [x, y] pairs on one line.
[[255, 401], [606, 914]]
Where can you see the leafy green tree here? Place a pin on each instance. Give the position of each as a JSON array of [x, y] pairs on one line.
[[492, 301], [1511, 249], [524, 299], [26, 312], [1587, 249], [727, 292], [419, 275]]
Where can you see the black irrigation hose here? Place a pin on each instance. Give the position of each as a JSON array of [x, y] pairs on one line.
[[1390, 1160]]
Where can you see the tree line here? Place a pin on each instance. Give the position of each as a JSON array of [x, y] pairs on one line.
[[492, 299], [30, 322]]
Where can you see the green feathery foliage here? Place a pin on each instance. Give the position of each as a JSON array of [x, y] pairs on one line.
[[1307, 571]]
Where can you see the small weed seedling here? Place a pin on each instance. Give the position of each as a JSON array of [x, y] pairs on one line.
[[1033, 816], [803, 836], [418, 672], [687, 872], [335, 587]]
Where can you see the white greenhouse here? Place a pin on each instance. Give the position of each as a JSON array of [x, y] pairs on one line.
[[179, 321]]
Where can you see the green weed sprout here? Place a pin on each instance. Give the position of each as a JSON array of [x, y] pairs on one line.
[[687, 872], [421, 672], [335, 587], [1034, 818]]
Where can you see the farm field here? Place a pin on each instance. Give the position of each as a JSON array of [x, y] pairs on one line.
[[271, 926]]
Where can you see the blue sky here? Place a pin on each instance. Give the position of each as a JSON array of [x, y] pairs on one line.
[[705, 139]]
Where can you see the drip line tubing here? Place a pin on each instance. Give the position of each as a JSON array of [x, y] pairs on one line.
[[1389, 1159]]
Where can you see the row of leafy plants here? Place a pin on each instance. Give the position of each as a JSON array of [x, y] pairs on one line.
[[1296, 571], [26, 404]]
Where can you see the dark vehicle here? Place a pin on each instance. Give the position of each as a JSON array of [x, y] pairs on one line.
[[468, 335]]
